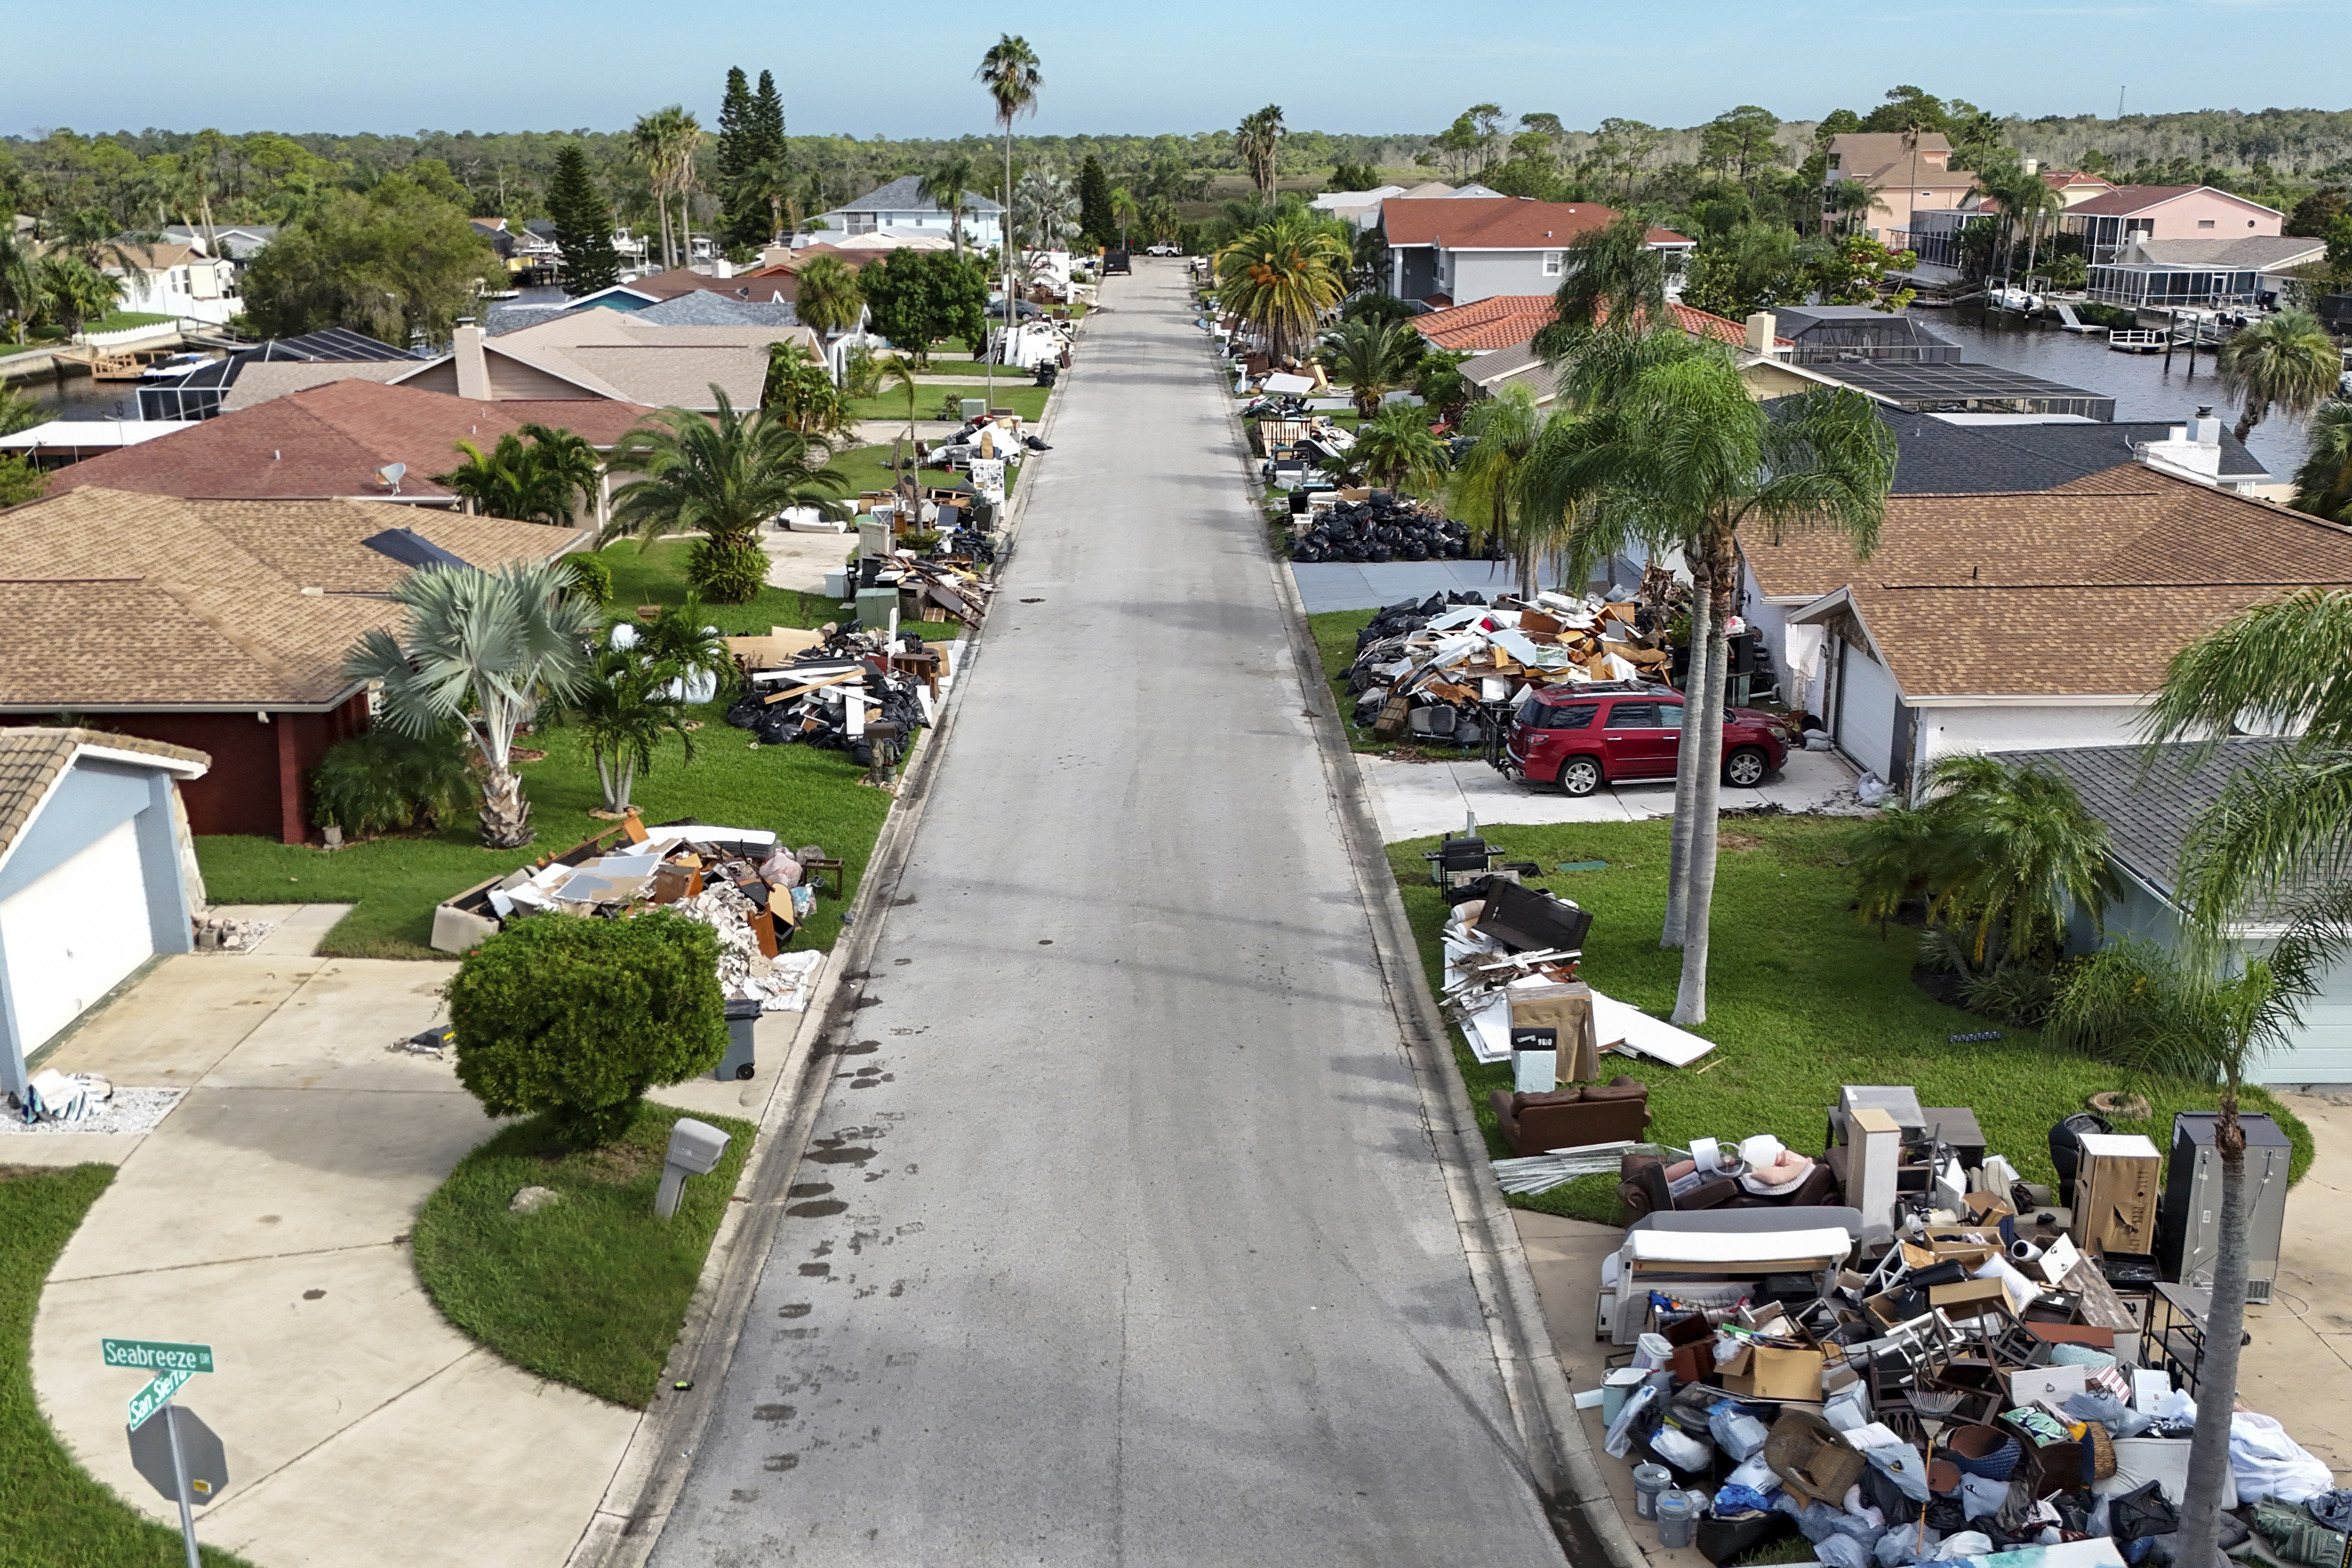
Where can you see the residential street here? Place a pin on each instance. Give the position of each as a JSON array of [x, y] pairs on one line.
[[1121, 1241]]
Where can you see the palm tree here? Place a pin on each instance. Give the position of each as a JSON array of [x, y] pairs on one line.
[[75, 291], [723, 477], [543, 482], [1488, 481], [88, 235], [482, 650], [1046, 206], [946, 184], [1668, 447], [1123, 211], [1258, 143], [1611, 280], [663, 143], [800, 391], [1396, 451], [1282, 278], [826, 296], [1369, 358], [2323, 484], [2013, 853], [2287, 361], [1160, 219], [1011, 72], [569, 474], [623, 714], [899, 372], [20, 289]]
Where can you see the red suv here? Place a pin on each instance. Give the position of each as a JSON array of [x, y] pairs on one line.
[[1582, 736]]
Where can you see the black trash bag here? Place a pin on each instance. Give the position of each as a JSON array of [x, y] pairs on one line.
[[2141, 1511], [1880, 1491], [745, 712], [2066, 1149]]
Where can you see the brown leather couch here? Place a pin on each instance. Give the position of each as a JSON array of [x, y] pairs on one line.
[[1573, 1116]]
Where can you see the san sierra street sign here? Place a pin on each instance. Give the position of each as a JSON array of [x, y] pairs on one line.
[[156, 1355], [151, 1398]]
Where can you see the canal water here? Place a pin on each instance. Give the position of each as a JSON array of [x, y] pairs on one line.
[[2138, 383]]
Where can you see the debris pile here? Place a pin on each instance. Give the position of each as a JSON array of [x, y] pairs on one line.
[[737, 881], [228, 934], [55, 1101], [855, 690], [1379, 526]]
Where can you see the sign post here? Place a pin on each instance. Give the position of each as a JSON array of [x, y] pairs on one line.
[[180, 1455]]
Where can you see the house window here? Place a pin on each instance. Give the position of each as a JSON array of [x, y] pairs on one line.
[[2204, 223], [1551, 263]]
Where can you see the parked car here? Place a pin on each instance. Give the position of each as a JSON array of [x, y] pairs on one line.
[[1163, 247], [1580, 737]]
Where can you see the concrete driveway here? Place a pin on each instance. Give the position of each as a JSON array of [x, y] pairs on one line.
[[267, 1216], [1414, 799]]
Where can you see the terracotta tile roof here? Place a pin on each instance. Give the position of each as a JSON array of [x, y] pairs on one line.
[[2089, 589], [1701, 323], [1499, 223], [330, 441], [1503, 321], [111, 599], [31, 760]]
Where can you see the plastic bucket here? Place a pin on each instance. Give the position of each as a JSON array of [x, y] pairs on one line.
[[1649, 1481], [1651, 1352], [1677, 1515], [1615, 1389]]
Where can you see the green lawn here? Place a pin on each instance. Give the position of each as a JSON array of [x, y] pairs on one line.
[[1802, 997], [589, 1290], [1335, 638], [868, 468], [52, 1514], [809, 797], [123, 320]]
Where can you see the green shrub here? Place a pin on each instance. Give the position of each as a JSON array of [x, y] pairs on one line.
[[577, 1018], [727, 572], [383, 781], [591, 577]]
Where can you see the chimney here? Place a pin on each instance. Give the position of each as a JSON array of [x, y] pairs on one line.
[[473, 365], [2205, 430], [1762, 327]]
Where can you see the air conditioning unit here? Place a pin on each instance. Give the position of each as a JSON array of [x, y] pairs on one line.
[[2188, 1230]]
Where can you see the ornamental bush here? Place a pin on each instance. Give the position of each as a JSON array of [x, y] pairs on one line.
[[578, 1017]]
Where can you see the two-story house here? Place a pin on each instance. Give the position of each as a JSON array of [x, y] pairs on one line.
[[1902, 172], [901, 208], [1458, 250], [2113, 221]]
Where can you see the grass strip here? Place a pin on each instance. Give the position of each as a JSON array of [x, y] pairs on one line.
[[589, 1290], [53, 1514], [1802, 997]]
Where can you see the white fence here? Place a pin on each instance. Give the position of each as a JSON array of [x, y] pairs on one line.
[[128, 335]]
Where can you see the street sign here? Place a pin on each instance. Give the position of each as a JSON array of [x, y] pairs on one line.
[[156, 1355], [151, 1398], [200, 1452]]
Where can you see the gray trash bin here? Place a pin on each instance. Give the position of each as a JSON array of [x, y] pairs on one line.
[[741, 1018]]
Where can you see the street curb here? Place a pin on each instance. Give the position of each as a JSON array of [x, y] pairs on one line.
[[1558, 1450], [653, 1470]]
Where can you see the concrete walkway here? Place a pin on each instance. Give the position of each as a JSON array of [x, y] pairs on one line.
[[1413, 799], [1120, 1239], [267, 1216]]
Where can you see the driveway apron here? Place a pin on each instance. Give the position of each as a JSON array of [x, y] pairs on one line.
[[1120, 1238]]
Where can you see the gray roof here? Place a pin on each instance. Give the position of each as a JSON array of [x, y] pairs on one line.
[[701, 308], [2257, 251], [1518, 366], [903, 194], [2150, 817], [503, 318], [1940, 458]]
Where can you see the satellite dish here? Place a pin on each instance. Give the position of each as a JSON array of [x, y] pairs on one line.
[[390, 474]]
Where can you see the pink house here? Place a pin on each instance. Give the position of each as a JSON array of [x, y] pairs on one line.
[[2110, 222]]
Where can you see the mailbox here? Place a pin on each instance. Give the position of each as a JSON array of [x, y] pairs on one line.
[[695, 1149]]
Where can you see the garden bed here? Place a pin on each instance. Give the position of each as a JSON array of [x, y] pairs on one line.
[[592, 1290], [1802, 997]]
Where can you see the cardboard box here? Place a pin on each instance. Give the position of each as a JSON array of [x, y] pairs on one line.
[[1969, 1298], [1569, 1009], [2115, 1194], [1769, 1372]]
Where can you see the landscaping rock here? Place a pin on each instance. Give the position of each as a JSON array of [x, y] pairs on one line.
[[531, 1199]]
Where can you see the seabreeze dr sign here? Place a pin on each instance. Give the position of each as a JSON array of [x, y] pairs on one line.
[[156, 1355]]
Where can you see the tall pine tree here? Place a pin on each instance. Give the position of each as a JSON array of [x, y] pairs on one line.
[[1095, 216], [768, 118], [737, 151], [584, 225]]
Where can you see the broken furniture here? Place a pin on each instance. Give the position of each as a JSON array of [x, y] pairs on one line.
[[1573, 1116]]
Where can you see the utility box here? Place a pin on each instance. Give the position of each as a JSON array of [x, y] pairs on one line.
[[975, 408], [878, 607], [2189, 1233], [741, 1018], [2115, 1194]]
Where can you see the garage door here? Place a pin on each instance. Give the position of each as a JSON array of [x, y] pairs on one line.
[[1865, 718], [74, 934]]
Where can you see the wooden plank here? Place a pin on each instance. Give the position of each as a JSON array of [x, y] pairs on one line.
[[2102, 1307]]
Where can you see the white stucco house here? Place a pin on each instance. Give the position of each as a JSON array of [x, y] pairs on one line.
[[179, 280], [900, 208]]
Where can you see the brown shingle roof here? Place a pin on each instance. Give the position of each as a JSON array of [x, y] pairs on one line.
[[331, 441], [31, 760], [110, 599], [2086, 589], [679, 280], [1499, 223], [2128, 199]]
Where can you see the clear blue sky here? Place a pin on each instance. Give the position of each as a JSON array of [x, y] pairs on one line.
[[1141, 68]]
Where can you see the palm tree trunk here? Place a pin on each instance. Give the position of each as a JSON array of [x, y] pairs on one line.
[[628, 782], [2216, 1377], [604, 776], [2249, 416], [505, 815], [1686, 764], [1690, 999]]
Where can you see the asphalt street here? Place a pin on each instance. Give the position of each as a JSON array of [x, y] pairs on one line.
[[1120, 1239]]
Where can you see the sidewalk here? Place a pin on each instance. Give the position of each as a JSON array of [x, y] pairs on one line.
[[1417, 798], [2297, 1370], [267, 1216]]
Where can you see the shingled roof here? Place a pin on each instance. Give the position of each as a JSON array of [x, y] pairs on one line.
[[2150, 803], [119, 601], [32, 759], [332, 441], [2086, 589]]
